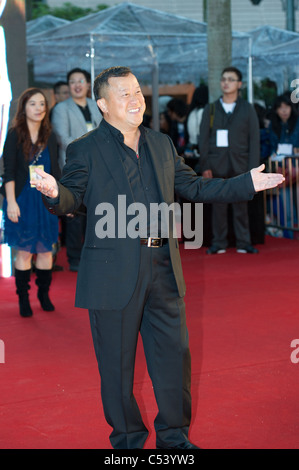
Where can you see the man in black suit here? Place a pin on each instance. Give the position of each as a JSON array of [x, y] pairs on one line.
[[129, 282], [229, 145]]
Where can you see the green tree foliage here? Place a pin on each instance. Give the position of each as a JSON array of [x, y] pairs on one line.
[[67, 10]]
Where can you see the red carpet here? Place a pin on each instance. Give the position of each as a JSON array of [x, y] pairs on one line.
[[242, 316]]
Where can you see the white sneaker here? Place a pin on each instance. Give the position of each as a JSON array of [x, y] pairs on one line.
[[214, 250]]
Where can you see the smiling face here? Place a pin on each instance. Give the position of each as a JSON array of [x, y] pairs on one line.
[[35, 108], [78, 86], [123, 103]]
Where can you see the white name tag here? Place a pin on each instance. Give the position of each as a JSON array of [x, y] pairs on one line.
[[89, 126], [32, 173], [285, 149], [222, 138]]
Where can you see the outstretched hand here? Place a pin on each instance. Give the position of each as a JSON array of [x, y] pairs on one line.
[[46, 184], [262, 181]]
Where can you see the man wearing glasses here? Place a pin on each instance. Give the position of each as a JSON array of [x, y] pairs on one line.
[[72, 119], [229, 145]]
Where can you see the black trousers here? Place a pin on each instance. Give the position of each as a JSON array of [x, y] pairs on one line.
[[156, 311], [240, 224], [74, 237]]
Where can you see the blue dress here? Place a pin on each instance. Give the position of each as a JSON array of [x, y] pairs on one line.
[[37, 229]]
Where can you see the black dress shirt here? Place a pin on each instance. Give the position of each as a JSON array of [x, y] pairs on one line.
[[139, 170]]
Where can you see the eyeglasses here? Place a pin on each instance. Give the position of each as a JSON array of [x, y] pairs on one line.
[[229, 79], [74, 82]]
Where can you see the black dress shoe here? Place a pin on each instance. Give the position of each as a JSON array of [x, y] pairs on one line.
[[184, 445]]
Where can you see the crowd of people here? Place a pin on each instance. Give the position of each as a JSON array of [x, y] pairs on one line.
[[129, 285], [225, 138], [221, 139]]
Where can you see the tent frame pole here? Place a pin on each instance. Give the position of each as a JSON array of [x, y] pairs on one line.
[[92, 74], [249, 78]]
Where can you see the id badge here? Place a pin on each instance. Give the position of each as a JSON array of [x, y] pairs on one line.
[[222, 138], [89, 126], [285, 149], [33, 174]]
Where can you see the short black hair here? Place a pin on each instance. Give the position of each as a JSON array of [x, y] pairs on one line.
[[235, 70], [78, 70], [57, 85], [101, 81], [285, 98], [178, 106]]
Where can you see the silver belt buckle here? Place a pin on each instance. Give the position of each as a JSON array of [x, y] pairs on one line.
[[149, 242]]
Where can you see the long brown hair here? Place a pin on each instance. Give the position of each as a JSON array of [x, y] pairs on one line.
[[276, 121], [20, 124]]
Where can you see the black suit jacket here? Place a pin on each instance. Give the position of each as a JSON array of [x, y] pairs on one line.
[[243, 152], [16, 167], [94, 174]]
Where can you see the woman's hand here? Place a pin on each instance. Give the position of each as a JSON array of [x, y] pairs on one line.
[[13, 211]]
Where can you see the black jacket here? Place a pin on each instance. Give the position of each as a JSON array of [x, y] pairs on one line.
[[94, 174], [16, 167], [243, 152]]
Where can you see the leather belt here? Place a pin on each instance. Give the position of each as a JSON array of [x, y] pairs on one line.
[[153, 242]]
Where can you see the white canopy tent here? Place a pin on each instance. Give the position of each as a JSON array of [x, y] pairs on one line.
[[275, 55], [159, 47], [44, 23], [127, 34], [287, 55]]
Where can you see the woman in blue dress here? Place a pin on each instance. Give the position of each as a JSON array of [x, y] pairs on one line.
[[28, 226]]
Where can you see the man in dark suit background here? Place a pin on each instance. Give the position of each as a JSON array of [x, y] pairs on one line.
[[229, 144], [133, 284]]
